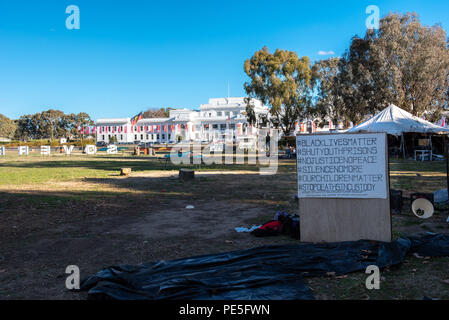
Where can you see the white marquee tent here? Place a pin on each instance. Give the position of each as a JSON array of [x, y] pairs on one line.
[[395, 121]]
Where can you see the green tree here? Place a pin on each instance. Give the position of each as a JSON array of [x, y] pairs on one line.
[[25, 128], [81, 119], [283, 82], [50, 124], [329, 103], [412, 61], [7, 127], [404, 63], [157, 113]]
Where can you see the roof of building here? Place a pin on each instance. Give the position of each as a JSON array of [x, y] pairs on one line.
[[112, 120]]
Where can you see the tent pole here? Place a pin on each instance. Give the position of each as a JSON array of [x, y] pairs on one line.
[[447, 163], [431, 149], [403, 145]]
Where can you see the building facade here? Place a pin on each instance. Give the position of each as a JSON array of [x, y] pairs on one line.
[[220, 119]]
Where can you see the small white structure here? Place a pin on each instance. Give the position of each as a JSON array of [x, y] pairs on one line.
[[112, 149], [68, 149], [396, 121], [90, 149], [2, 151], [23, 150], [45, 150]]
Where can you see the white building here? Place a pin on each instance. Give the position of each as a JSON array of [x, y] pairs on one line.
[[212, 122]]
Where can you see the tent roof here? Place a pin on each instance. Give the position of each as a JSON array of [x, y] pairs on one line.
[[395, 121]]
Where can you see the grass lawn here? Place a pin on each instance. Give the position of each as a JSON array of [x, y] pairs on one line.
[[80, 204]]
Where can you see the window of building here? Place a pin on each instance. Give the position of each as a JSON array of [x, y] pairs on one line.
[[141, 137], [135, 137], [147, 136], [215, 126], [227, 113], [163, 136], [102, 137], [223, 126], [219, 113], [232, 126], [158, 136], [121, 137], [169, 136]]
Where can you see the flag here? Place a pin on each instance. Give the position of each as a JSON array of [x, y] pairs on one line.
[[126, 129], [100, 128], [87, 130], [187, 127], [158, 128], [136, 118], [179, 126], [330, 124], [172, 128], [82, 130], [301, 127], [94, 128], [443, 121], [151, 128]]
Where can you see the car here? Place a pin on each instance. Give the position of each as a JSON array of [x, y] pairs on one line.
[[102, 144]]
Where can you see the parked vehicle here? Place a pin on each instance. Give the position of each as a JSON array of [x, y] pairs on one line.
[[102, 144]]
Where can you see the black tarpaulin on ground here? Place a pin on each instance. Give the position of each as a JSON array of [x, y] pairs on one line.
[[263, 273]]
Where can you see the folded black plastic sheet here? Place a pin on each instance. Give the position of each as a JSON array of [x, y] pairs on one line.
[[263, 273]]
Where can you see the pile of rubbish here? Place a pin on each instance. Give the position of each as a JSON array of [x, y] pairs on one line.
[[263, 273], [283, 223]]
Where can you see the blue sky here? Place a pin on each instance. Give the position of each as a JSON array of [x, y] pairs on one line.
[[132, 55]]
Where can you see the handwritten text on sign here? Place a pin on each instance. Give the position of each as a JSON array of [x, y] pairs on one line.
[[341, 166]]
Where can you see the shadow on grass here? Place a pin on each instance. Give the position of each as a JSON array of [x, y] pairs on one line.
[[116, 163], [277, 190]]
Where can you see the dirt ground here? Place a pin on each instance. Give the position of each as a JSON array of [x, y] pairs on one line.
[[98, 222]]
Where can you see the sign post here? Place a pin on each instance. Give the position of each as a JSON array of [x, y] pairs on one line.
[[343, 187]]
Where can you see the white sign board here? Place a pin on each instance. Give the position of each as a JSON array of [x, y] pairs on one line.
[[342, 166], [23, 150]]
